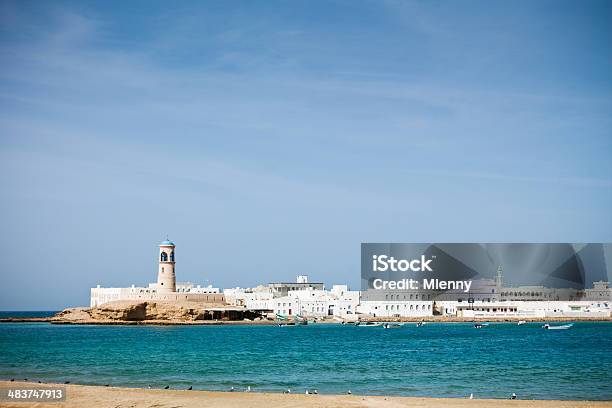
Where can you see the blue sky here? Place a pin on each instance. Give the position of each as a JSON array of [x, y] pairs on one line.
[[269, 139]]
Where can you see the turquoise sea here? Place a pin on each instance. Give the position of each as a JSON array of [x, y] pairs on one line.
[[28, 313], [437, 360]]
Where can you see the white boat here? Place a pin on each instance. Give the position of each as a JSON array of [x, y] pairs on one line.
[[480, 325], [392, 325], [562, 327], [369, 324], [522, 322], [420, 324]]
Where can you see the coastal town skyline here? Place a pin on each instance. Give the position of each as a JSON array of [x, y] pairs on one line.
[[263, 138], [306, 203]]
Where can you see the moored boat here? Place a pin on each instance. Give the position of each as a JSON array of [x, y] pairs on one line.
[[368, 324], [562, 327], [521, 322]]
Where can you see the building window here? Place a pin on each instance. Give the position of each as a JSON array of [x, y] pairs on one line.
[[164, 257], [172, 256]]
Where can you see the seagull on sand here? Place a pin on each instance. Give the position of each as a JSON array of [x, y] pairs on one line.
[[190, 388], [166, 387], [349, 392]]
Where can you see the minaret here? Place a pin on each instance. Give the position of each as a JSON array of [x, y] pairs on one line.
[[166, 279], [499, 279]]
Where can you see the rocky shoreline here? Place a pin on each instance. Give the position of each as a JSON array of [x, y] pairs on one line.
[[191, 313], [144, 312]]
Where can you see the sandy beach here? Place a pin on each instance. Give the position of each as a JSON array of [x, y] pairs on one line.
[[95, 396]]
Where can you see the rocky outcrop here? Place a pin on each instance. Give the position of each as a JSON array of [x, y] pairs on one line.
[[137, 311]]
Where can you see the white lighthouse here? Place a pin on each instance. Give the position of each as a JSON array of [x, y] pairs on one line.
[[166, 279]]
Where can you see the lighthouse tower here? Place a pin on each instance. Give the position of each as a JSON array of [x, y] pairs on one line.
[[166, 279]]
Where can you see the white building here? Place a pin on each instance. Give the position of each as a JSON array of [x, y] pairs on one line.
[[601, 291], [299, 298], [397, 308], [255, 299], [188, 287], [280, 289], [528, 309], [320, 303]]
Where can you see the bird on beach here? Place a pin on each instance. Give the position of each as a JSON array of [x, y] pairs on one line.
[[66, 382], [307, 392], [25, 379], [107, 385], [471, 395], [288, 391], [12, 379], [40, 382], [190, 388], [166, 387], [349, 392], [232, 389], [513, 396], [248, 389], [315, 391]]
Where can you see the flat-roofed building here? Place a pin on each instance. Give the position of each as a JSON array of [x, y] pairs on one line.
[[280, 289]]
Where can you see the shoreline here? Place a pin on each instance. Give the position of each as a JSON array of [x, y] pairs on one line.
[[101, 396], [428, 319]]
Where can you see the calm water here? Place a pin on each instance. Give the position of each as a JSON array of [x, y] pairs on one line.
[[443, 360], [29, 313]]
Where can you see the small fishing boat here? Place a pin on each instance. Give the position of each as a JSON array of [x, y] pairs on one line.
[[420, 324], [522, 322], [480, 325], [562, 327], [392, 325], [368, 324]]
